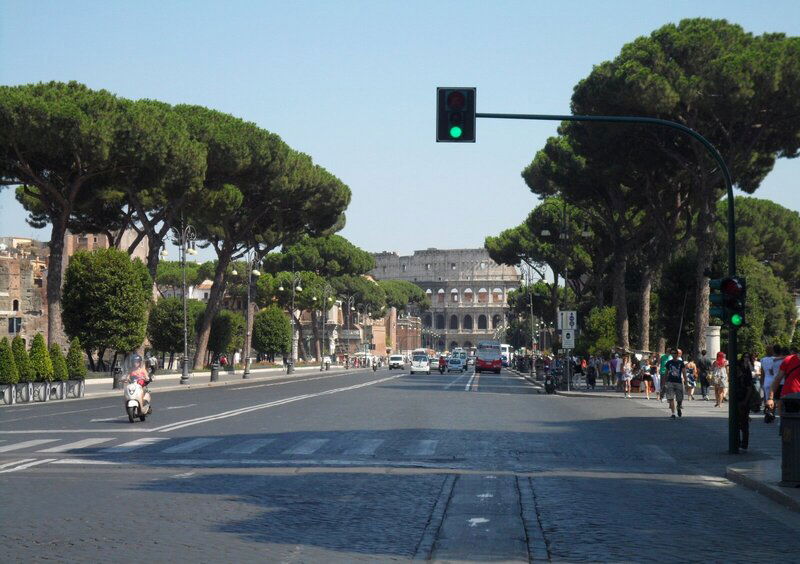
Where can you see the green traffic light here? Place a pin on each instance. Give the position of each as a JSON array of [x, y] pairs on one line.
[[736, 320], [455, 132]]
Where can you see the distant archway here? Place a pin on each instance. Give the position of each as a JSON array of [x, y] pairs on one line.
[[439, 321], [453, 345], [427, 321], [467, 322], [454, 322], [15, 305], [496, 320], [481, 321], [467, 344], [468, 296]]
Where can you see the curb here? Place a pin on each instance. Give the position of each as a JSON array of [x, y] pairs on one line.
[[740, 474]]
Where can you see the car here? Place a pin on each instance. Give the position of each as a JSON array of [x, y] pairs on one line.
[[488, 360], [397, 361], [454, 362], [420, 363]]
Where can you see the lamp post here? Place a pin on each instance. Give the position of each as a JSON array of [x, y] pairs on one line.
[[295, 288], [252, 258], [326, 302], [185, 239]]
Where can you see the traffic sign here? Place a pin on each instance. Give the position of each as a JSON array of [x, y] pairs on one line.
[[568, 320], [568, 341]]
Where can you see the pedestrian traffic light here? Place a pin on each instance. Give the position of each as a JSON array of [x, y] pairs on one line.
[[455, 115], [727, 299]]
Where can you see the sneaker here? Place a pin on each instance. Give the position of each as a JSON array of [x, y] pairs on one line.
[[680, 413], [672, 416]]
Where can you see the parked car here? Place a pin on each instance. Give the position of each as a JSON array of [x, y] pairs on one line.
[[454, 362], [397, 361], [420, 363]]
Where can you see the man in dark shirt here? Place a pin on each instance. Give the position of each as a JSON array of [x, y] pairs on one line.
[[674, 380], [704, 368]]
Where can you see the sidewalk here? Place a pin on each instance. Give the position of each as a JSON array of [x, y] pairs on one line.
[[762, 476]]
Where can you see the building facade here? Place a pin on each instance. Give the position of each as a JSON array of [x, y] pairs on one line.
[[467, 289], [23, 286]]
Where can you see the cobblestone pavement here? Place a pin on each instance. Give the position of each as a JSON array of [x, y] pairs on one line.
[[364, 468]]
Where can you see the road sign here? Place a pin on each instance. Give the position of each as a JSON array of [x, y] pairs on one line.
[[568, 342], [568, 320]]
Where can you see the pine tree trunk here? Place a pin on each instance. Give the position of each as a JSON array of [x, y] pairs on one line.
[[214, 301], [705, 252], [55, 276], [301, 349], [620, 299], [315, 329], [644, 307]]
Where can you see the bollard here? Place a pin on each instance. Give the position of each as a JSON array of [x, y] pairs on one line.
[[214, 371], [790, 440]]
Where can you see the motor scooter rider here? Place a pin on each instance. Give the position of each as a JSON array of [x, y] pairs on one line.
[[139, 371], [442, 363]]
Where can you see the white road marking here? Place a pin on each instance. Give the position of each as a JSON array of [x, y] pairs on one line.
[[447, 387], [184, 475], [490, 477], [77, 445], [485, 496], [308, 446], [475, 521], [59, 413], [466, 388], [106, 419], [243, 410], [27, 465], [422, 448], [26, 444], [87, 461], [190, 446], [366, 446], [182, 406], [133, 445], [248, 447], [138, 430], [289, 382], [14, 463]]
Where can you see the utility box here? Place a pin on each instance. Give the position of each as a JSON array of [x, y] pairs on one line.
[[790, 440]]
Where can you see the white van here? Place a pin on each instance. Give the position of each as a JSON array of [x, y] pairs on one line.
[[397, 361]]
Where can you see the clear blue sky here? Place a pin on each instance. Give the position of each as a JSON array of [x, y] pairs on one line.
[[352, 84]]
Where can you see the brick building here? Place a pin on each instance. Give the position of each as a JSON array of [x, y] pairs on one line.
[[23, 309]]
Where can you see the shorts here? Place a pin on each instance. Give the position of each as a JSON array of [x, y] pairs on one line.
[[619, 376], [674, 391]]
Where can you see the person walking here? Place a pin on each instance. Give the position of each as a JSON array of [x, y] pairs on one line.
[[744, 391], [616, 371], [704, 370], [646, 378], [662, 372], [605, 370], [691, 378], [787, 381], [675, 380], [627, 375], [719, 377], [656, 377]]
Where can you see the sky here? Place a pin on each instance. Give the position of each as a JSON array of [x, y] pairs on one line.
[[352, 83]]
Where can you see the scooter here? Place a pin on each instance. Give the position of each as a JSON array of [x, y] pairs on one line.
[[442, 368], [374, 366], [137, 397], [549, 384]]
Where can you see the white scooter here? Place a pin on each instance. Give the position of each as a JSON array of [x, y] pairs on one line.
[[137, 397]]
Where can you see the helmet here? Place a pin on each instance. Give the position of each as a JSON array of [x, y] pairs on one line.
[[136, 359]]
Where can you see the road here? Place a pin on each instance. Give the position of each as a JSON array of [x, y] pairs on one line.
[[378, 466]]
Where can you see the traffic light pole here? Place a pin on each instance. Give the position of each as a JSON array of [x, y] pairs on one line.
[[733, 435]]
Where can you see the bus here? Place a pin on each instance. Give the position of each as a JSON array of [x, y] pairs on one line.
[[488, 357], [506, 355]]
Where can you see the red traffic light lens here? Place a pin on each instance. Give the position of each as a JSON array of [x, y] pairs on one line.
[[456, 100], [731, 287]]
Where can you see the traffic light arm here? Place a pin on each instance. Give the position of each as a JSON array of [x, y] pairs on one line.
[[733, 436]]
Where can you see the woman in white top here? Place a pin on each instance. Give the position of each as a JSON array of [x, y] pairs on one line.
[[627, 375]]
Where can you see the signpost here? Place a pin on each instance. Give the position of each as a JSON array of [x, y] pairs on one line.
[[568, 339]]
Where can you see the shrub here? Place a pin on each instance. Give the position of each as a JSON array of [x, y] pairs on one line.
[[24, 368], [40, 360], [76, 368], [59, 363], [8, 368]]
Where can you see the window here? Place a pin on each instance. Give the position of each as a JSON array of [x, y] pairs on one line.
[[427, 321], [440, 296], [454, 295], [15, 305], [452, 266], [496, 319], [440, 321], [403, 267], [14, 325], [481, 321], [454, 322], [467, 322], [427, 266], [468, 296]]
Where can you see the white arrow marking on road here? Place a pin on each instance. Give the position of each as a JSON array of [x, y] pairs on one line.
[[133, 445], [243, 410], [77, 445], [475, 521], [28, 465], [26, 444], [309, 446], [182, 406], [248, 447], [190, 446]]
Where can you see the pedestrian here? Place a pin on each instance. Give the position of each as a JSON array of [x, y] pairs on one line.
[[787, 381], [656, 377], [691, 375], [627, 375], [675, 380], [719, 377], [662, 371], [704, 370], [646, 376], [778, 356], [744, 391], [766, 372], [616, 371], [605, 370]]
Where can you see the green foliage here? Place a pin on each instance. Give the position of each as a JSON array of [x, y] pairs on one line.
[[519, 300], [401, 294], [518, 333], [169, 275], [106, 298], [8, 367], [76, 368], [40, 360], [600, 330], [795, 344], [770, 310], [272, 331], [328, 256], [165, 323], [22, 359], [60, 372], [227, 332]]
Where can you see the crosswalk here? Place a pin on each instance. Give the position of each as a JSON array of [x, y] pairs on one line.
[[283, 447]]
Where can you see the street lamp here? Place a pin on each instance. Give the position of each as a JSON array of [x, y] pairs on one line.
[[295, 288], [185, 239], [327, 301], [253, 259]]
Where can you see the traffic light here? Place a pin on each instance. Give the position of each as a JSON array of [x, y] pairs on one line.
[[455, 115], [727, 299]]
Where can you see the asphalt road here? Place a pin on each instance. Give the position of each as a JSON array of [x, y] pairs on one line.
[[386, 466]]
